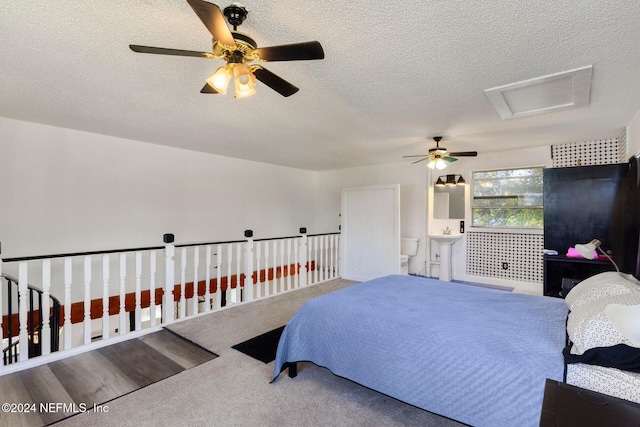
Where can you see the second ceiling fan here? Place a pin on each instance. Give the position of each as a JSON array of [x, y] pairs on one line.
[[439, 156], [239, 50]]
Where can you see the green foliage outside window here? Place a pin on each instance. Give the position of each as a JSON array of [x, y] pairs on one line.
[[508, 198]]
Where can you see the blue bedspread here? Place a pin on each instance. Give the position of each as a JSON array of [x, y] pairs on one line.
[[477, 355]]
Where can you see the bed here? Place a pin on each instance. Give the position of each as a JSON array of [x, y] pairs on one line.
[[473, 354], [477, 355], [604, 324]]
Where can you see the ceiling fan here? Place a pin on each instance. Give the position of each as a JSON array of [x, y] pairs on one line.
[[439, 156], [238, 50]]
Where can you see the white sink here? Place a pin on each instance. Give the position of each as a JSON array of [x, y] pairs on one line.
[[445, 240]]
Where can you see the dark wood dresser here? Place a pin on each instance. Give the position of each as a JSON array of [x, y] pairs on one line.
[[565, 405]]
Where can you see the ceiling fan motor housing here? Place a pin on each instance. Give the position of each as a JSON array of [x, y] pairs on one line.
[[437, 150], [235, 14]]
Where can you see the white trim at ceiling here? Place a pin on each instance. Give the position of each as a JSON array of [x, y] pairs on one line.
[[554, 92]]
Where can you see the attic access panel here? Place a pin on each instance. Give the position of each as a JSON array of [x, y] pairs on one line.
[[560, 91]]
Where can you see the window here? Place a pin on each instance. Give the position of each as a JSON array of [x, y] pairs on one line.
[[508, 198]]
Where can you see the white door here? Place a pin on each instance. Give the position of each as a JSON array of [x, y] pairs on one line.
[[370, 242]]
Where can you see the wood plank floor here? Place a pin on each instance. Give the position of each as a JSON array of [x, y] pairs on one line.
[[95, 377]]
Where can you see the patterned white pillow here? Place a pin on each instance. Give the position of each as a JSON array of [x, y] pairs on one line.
[[588, 325], [601, 285]]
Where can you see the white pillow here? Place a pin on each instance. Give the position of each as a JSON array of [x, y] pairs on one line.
[[588, 325], [626, 319], [601, 285]]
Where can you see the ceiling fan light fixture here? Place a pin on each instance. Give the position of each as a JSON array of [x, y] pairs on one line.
[[440, 164], [244, 81], [220, 79]]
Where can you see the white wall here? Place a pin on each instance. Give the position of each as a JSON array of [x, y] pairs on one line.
[[633, 136], [65, 191]]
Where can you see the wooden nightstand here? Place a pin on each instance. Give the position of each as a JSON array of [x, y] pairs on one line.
[[559, 267], [565, 405]]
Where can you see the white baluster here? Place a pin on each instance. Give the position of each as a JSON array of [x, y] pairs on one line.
[[152, 289], [105, 296], [288, 264], [218, 278], [207, 286], [296, 263], [258, 281], [123, 293], [238, 272], [310, 263], [309, 260], [229, 295], [45, 333], [183, 279], [332, 252], [318, 259], [196, 266], [316, 269], [302, 264], [67, 303], [138, 313], [323, 260], [274, 254], [87, 299], [282, 288], [267, 287], [248, 270], [327, 258], [22, 310]]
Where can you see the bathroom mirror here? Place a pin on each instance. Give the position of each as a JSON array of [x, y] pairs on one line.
[[448, 201]]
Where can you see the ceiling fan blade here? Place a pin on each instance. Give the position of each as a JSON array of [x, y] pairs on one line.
[[421, 160], [418, 155], [212, 18], [449, 159], [276, 83], [291, 52], [165, 51], [208, 89], [464, 154]]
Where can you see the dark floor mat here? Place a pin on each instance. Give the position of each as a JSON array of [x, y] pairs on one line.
[[263, 347]]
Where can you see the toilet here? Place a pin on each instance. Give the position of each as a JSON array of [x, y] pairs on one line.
[[408, 249]]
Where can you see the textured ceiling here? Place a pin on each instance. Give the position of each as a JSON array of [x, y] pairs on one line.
[[394, 75]]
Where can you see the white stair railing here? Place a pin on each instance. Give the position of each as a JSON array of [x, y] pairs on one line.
[[103, 299]]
